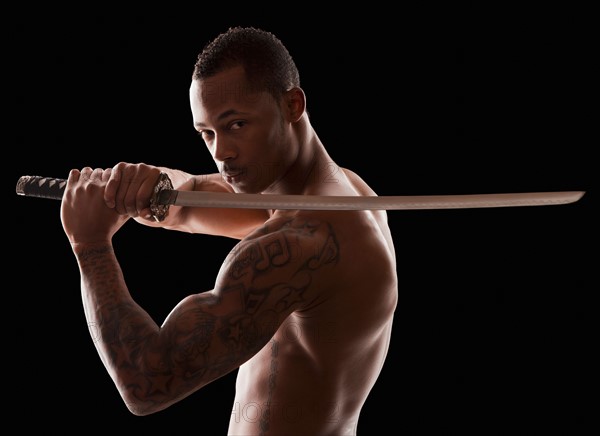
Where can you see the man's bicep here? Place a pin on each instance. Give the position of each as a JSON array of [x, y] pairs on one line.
[[262, 281], [211, 333]]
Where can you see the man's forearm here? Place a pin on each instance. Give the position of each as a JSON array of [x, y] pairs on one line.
[[118, 325]]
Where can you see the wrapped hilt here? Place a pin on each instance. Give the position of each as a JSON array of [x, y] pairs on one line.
[[42, 187], [54, 189]]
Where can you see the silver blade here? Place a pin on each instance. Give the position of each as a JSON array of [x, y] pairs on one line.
[[393, 202]]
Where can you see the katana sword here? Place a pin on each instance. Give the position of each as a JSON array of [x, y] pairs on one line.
[[165, 196]]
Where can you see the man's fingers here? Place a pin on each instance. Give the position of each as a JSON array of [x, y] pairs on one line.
[[86, 173], [110, 191], [143, 198], [127, 187], [74, 175], [96, 174], [106, 175], [118, 187], [130, 187], [128, 191]]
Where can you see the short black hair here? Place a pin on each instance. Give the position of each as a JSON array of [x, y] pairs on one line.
[[266, 61]]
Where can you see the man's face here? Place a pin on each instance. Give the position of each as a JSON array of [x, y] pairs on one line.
[[244, 130]]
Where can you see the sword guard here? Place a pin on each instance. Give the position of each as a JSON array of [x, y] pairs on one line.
[[160, 210]]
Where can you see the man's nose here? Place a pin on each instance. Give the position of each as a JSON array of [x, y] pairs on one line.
[[224, 150]]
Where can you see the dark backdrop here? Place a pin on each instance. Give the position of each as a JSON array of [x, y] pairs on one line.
[[495, 308]]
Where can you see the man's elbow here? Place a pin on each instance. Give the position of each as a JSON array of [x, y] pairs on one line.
[[144, 407]]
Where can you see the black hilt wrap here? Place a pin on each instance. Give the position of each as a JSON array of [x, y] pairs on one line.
[[53, 188], [43, 187]]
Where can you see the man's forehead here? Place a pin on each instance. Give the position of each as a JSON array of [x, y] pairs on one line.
[[216, 91], [222, 91]]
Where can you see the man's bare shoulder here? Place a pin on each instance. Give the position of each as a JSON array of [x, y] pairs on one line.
[[358, 183], [346, 239], [299, 235], [285, 262]]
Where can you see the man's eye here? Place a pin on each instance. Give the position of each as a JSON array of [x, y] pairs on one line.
[[206, 134], [237, 125]]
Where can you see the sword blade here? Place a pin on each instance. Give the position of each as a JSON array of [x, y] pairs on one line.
[[388, 202]]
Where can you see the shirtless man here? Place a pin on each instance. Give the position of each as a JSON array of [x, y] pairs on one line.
[[304, 303]]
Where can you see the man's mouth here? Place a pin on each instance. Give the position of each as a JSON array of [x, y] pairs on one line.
[[231, 174]]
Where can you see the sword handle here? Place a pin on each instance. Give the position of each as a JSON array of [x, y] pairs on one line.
[[42, 187], [54, 188]]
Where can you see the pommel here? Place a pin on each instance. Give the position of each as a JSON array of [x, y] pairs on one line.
[[21, 183]]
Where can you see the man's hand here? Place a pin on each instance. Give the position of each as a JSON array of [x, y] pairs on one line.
[[85, 216], [130, 187]]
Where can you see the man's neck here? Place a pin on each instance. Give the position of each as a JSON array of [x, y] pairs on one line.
[[310, 168]]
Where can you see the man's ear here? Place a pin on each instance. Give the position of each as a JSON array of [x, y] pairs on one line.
[[294, 101]]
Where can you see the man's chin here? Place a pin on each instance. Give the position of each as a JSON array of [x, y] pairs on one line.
[[242, 188]]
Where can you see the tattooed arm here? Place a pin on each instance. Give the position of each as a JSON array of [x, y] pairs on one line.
[[207, 335], [151, 366]]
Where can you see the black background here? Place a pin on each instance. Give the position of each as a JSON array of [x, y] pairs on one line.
[[492, 330]]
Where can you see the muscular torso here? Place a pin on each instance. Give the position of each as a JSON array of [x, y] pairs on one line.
[[316, 372]]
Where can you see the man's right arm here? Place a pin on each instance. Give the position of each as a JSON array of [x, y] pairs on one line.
[[131, 186]]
